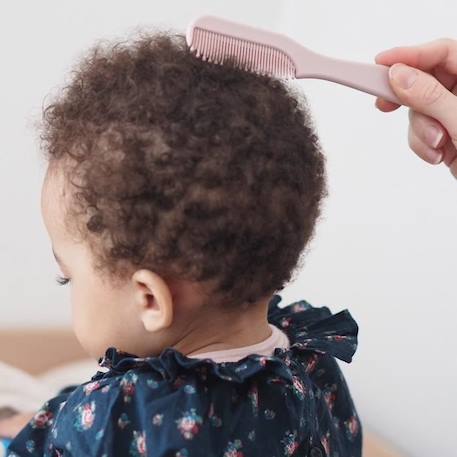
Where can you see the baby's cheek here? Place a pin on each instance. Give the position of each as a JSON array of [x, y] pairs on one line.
[[84, 320]]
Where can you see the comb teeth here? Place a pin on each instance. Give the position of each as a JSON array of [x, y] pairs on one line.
[[249, 55]]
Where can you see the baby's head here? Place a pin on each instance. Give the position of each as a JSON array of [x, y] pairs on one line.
[[179, 195]]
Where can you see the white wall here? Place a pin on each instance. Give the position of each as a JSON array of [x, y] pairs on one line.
[[385, 248]]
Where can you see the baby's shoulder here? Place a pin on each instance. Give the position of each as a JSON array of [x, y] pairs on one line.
[[130, 388]]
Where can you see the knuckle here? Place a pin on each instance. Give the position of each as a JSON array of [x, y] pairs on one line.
[[432, 92], [418, 147]]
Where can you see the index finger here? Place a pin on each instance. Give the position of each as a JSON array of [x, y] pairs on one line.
[[442, 52]]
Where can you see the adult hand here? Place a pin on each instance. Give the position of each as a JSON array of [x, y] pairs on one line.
[[424, 78]]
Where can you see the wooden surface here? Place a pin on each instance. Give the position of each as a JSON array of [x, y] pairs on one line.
[[35, 351]]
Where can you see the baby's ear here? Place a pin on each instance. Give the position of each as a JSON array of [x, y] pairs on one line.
[[154, 300]]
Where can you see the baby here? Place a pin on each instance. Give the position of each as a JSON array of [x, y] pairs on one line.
[[179, 197]]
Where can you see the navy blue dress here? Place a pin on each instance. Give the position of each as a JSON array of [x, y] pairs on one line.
[[293, 403]]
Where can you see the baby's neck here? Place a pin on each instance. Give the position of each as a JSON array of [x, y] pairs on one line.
[[220, 332]]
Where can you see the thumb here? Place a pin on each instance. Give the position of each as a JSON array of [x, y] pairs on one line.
[[424, 93]]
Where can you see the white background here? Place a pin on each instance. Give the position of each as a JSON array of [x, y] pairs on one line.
[[386, 245]]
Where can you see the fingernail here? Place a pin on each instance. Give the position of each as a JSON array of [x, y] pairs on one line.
[[433, 135], [403, 75], [438, 158]]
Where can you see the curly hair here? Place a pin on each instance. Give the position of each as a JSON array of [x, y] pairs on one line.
[[192, 169]]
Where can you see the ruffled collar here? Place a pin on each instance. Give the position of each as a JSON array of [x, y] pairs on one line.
[[309, 329]]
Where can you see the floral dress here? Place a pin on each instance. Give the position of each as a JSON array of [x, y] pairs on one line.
[[292, 403]]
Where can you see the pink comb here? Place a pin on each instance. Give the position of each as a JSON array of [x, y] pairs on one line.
[[260, 51]]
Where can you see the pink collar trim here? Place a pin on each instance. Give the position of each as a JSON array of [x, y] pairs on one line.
[[266, 347]]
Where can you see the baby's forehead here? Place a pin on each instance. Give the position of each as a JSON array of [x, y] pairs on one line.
[[52, 202], [54, 183]]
